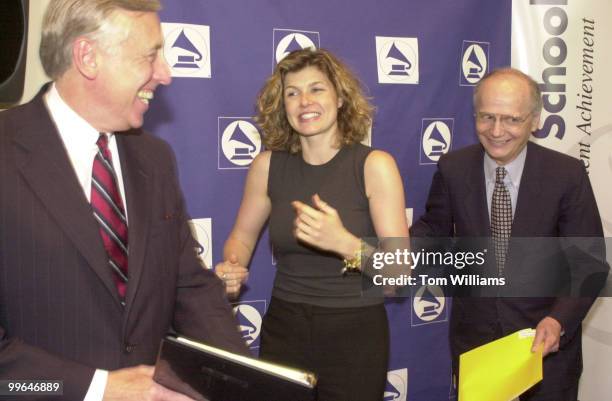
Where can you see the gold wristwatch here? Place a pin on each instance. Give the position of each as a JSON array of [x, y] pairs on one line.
[[353, 265]]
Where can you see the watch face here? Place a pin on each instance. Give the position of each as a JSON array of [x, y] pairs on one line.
[[353, 265]]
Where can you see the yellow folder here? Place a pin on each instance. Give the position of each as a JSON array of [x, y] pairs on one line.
[[500, 370]]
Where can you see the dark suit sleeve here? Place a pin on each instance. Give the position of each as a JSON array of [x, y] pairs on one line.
[[20, 361], [579, 220], [437, 220], [201, 308]]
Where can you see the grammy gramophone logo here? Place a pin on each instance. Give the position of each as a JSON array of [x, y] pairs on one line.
[[397, 60], [474, 62], [428, 305], [399, 63], [249, 316], [288, 40], [202, 230], [436, 137], [187, 49], [396, 388], [239, 142]]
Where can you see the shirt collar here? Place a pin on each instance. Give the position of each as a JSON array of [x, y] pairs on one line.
[[76, 133], [514, 168]]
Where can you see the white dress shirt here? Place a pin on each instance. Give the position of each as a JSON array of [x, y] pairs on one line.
[[79, 139], [512, 181]]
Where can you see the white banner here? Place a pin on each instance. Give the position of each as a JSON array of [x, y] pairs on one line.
[[565, 46]]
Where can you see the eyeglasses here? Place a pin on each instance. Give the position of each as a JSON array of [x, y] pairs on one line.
[[488, 119]]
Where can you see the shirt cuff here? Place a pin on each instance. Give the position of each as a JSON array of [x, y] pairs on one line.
[[97, 386]]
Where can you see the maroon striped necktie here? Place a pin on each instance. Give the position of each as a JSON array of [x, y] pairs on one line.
[[109, 212]]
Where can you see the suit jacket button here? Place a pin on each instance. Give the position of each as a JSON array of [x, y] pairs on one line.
[[129, 348]]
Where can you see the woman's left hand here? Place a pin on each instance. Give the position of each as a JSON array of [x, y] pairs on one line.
[[321, 227]]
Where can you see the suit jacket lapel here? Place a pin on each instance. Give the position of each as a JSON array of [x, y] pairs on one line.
[[138, 192], [45, 166], [527, 216], [475, 199]]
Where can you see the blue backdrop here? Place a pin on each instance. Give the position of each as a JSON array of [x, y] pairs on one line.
[[419, 62]]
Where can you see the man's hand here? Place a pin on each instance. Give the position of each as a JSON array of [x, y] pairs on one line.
[[136, 384], [548, 334], [233, 275]]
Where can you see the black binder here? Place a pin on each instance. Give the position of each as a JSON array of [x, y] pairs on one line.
[[205, 373]]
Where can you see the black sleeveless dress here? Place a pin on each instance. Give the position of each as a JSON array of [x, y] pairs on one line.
[[317, 319]]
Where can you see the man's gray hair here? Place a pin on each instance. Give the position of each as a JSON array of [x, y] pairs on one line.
[[66, 20]]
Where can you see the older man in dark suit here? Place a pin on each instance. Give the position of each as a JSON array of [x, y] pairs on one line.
[[97, 261], [505, 188]]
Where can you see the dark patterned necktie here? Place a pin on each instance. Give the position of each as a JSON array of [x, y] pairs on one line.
[[109, 212], [501, 218]]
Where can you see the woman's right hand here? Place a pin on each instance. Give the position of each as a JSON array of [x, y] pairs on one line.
[[232, 274]]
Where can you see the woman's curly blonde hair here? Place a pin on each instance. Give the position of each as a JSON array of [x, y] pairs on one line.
[[354, 116]]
